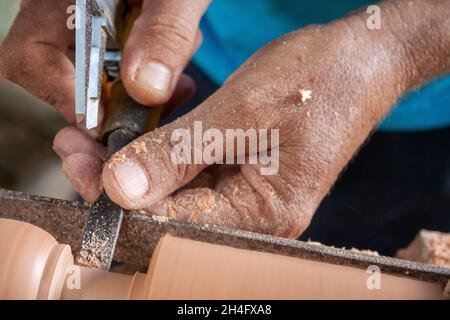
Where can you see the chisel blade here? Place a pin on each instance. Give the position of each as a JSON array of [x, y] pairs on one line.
[[95, 33], [100, 234]]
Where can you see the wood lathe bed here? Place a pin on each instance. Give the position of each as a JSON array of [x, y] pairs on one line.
[[190, 261]]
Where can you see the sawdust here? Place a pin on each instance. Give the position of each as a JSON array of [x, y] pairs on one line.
[[95, 250], [367, 252], [160, 219], [192, 204], [117, 159], [208, 200], [171, 213], [140, 147], [89, 261], [355, 250], [428, 247], [169, 205], [194, 217], [314, 243], [306, 95]]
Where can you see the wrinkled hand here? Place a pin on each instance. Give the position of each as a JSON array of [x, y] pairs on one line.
[[324, 88], [38, 52]]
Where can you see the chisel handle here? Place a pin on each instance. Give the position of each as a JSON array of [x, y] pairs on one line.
[[126, 119]]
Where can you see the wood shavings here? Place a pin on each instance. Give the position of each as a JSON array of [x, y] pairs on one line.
[[355, 250], [171, 212], [193, 218], [367, 252], [158, 141], [97, 246], [169, 206], [428, 247], [116, 159], [86, 259], [315, 243], [306, 95], [139, 147], [160, 219], [206, 202]]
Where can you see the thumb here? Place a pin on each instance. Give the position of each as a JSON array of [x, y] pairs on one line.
[[149, 169], [159, 47]]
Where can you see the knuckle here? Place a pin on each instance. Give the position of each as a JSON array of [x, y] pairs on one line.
[[157, 151], [282, 216], [250, 100], [178, 170], [298, 222], [244, 106], [280, 221], [174, 33], [289, 224]]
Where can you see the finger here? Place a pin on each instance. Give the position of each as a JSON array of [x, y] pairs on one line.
[[280, 202], [83, 171], [160, 45], [34, 54], [266, 204], [72, 140], [83, 159], [148, 170], [198, 40], [200, 205], [241, 200]]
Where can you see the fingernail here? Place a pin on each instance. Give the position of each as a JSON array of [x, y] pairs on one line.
[[155, 75], [132, 180]]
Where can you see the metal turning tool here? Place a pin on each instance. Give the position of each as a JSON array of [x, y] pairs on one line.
[[95, 24], [125, 119], [95, 31]]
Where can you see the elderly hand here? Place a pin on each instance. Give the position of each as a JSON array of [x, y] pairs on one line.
[[321, 89]]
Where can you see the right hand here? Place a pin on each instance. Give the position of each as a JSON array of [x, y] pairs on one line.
[[38, 54], [324, 88]]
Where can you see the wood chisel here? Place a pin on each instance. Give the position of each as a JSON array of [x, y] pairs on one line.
[[102, 33]]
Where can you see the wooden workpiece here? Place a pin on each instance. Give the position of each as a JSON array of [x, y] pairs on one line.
[[428, 247], [35, 266], [141, 233]]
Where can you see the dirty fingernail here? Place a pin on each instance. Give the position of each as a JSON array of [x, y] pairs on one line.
[[155, 75], [132, 180]]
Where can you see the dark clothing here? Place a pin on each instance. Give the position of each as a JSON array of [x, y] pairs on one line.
[[395, 186]]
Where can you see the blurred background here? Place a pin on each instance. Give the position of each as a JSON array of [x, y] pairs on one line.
[[27, 129]]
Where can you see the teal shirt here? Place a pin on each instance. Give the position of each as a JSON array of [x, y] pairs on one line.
[[235, 29]]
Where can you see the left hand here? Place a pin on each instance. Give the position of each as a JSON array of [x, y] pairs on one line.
[[324, 87]]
